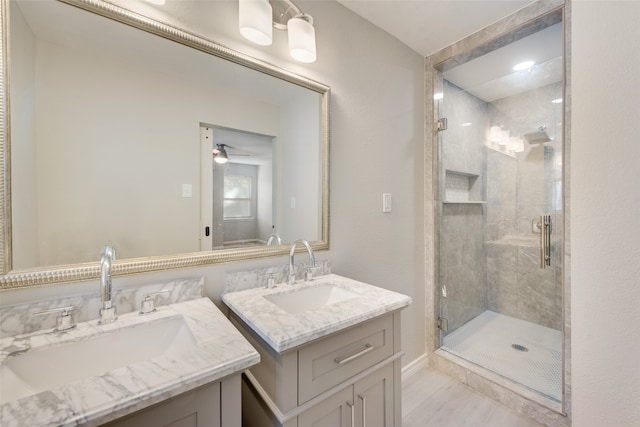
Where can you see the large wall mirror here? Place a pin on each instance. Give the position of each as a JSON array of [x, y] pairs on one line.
[[111, 125]]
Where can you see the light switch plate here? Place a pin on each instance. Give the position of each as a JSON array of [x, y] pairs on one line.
[[187, 190], [386, 202]]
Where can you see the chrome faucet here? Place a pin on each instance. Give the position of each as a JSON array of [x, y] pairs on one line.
[[108, 310], [312, 258]]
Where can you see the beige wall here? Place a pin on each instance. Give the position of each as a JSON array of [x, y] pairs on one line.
[[130, 130], [143, 203], [23, 151], [377, 103], [301, 161], [605, 213], [376, 106]]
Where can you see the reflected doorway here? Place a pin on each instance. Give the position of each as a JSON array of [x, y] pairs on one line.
[[237, 208]]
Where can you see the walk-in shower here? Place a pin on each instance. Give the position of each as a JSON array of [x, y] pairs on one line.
[[499, 208]]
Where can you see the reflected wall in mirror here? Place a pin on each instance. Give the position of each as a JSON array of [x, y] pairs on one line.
[[106, 144]]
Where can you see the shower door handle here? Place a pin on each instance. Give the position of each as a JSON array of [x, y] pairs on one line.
[[545, 241]]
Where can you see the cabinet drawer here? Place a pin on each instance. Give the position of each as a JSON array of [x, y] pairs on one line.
[[329, 361]]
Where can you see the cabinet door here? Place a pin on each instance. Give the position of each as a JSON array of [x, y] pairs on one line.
[[197, 408], [336, 411], [374, 400]]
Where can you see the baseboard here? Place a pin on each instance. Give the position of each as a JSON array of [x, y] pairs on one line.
[[415, 366]]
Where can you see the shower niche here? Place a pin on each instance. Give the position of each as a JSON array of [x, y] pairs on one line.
[[462, 187], [499, 164]]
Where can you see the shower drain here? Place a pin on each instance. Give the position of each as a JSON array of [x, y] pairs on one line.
[[519, 347]]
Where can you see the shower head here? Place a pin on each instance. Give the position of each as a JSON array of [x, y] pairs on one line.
[[539, 137]]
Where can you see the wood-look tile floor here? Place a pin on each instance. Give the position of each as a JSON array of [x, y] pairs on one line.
[[431, 399]]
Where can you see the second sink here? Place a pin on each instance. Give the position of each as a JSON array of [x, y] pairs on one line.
[[55, 365], [303, 299]]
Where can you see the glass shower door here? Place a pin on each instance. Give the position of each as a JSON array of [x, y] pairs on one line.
[[499, 217]]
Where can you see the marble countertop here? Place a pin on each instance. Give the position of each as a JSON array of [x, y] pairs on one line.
[[284, 331], [220, 351]]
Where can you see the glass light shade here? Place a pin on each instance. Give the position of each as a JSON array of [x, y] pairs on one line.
[[504, 140], [255, 21], [221, 157], [516, 144], [302, 38], [495, 133]]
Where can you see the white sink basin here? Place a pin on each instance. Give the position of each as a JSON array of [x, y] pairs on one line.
[[63, 363], [304, 299]]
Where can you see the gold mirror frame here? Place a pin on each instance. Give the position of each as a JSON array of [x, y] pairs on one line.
[[88, 271]]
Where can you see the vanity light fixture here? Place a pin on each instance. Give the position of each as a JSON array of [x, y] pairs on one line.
[[257, 18], [302, 38], [255, 21], [556, 101], [500, 139], [504, 138], [516, 144], [220, 155], [495, 133]]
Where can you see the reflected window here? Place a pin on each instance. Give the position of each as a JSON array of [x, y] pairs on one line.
[[238, 195]]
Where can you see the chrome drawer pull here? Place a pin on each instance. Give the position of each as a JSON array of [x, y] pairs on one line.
[[346, 359]]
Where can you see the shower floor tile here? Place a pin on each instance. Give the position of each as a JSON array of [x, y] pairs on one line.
[[487, 341]]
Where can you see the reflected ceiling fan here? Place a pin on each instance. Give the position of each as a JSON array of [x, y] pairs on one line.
[[221, 156]]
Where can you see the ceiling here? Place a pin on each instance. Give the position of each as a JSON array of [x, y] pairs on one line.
[[427, 26], [491, 76]]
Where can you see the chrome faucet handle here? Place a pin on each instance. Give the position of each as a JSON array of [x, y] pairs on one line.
[[311, 272], [271, 280], [148, 302], [308, 274], [64, 321]]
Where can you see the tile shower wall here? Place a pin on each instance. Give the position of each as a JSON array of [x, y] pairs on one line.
[[519, 190], [489, 255], [461, 261]]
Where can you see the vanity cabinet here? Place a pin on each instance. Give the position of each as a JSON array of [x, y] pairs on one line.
[[216, 404], [367, 403], [349, 378]]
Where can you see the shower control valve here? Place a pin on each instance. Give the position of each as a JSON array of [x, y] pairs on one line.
[[536, 226]]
